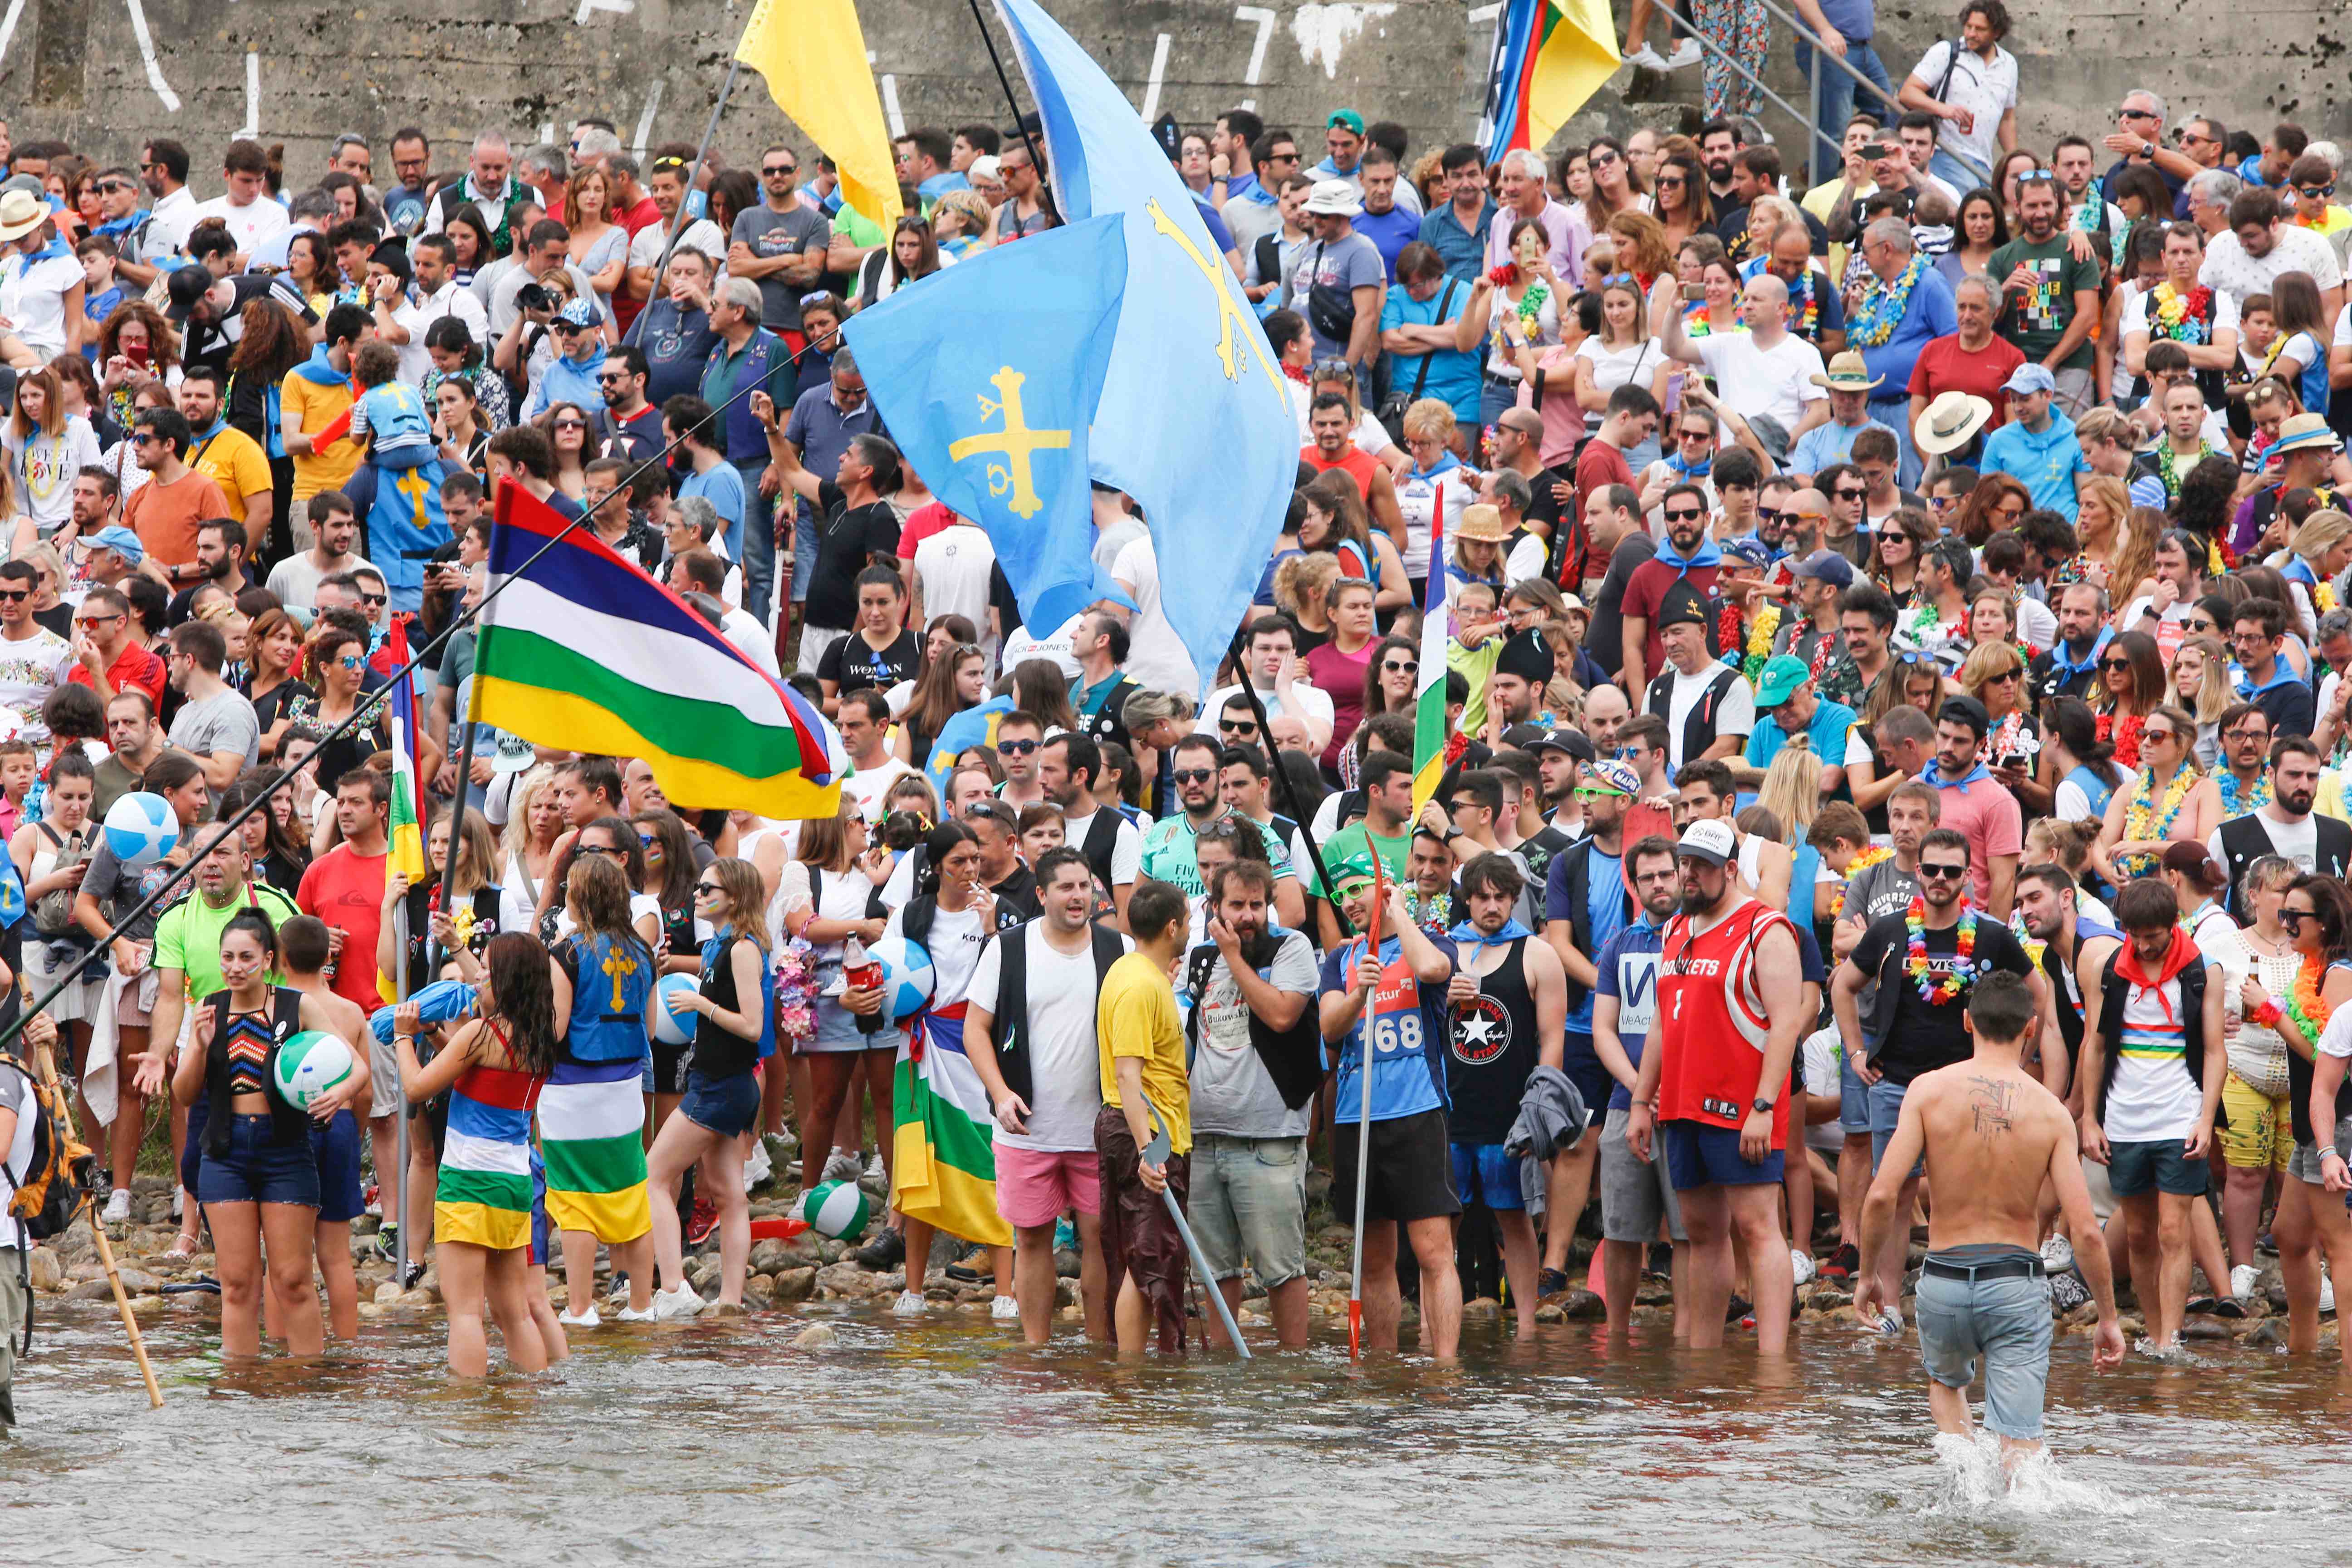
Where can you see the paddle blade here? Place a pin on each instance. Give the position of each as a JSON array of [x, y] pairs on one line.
[[781, 1227]]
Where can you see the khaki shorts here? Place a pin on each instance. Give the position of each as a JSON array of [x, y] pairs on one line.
[[13, 1306]]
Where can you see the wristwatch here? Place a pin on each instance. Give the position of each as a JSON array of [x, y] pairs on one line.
[[2147, 149], [1762, 1107]]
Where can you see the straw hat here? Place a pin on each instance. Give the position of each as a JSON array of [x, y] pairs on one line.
[[1481, 521], [1951, 422], [1848, 372]]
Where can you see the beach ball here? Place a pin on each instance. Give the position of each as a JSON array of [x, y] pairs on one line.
[[311, 1063], [141, 829], [674, 1028], [907, 976], [835, 1209]]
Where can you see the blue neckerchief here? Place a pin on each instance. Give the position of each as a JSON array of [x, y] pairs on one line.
[[2063, 664], [1512, 931], [1708, 553], [209, 431], [1675, 461], [319, 371], [115, 225], [2281, 674], [1445, 462], [1932, 776]]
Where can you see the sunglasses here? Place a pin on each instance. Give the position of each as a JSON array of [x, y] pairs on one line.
[[1602, 159], [1769, 513], [1245, 727], [1584, 792], [2010, 675], [374, 598], [1015, 748], [2202, 623], [1396, 667], [351, 661], [1684, 514], [2293, 918], [646, 840], [572, 424], [1844, 493], [1943, 873], [709, 888], [2134, 114], [614, 850], [2150, 737], [2316, 193], [772, 170], [2113, 664], [1194, 775], [14, 596]]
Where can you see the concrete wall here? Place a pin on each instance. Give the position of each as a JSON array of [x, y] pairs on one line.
[[299, 75]]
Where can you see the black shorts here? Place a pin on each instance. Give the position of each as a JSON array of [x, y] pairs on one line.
[[1412, 1169]]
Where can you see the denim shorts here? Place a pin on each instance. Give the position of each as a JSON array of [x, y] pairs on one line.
[[1483, 1174], [2155, 1164], [727, 1105], [1853, 1101], [335, 1151], [1249, 1202], [1886, 1099], [2305, 1165], [258, 1169], [2003, 1321], [1699, 1155]]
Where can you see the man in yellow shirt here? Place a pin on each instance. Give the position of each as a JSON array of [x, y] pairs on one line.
[[314, 394], [225, 454], [1141, 1042]]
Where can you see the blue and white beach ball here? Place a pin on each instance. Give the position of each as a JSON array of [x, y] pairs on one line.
[[141, 829], [907, 976], [674, 1028], [837, 1210]]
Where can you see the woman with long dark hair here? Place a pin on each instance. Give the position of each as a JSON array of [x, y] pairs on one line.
[[1391, 677], [1685, 206], [912, 255], [667, 845], [1982, 229], [476, 241], [2310, 1218], [2083, 765], [271, 344], [948, 685], [2131, 684], [493, 1068], [279, 859]]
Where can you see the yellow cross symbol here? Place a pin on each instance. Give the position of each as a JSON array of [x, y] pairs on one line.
[[411, 485], [1229, 312], [620, 966], [1016, 443]]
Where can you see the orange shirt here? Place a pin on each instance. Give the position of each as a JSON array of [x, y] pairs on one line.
[[164, 517]]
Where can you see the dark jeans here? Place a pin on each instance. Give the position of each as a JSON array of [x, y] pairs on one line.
[[759, 560], [1836, 106]]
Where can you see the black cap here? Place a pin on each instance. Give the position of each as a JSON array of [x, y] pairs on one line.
[[1683, 605], [1528, 655], [1965, 710], [1575, 742], [188, 285]]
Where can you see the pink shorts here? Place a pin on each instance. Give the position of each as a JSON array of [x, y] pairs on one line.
[[1035, 1187]]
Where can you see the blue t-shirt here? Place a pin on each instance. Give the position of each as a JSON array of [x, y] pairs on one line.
[[1629, 971], [1390, 232], [1825, 734], [1453, 374], [1927, 316], [722, 487], [1604, 916], [1408, 1022]]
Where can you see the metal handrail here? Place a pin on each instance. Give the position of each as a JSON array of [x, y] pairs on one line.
[[1820, 53], [1804, 121]]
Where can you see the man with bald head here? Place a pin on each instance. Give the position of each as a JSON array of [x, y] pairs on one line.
[[1816, 313], [1766, 370], [1518, 448]]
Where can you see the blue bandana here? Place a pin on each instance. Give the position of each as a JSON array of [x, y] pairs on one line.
[[1933, 779], [2063, 664], [1708, 553], [1688, 470], [1512, 931], [319, 370]]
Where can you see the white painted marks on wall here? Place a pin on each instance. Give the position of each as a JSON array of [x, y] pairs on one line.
[[252, 126], [8, 26], [646, 119], [1264, 18], [1322, 31], [147, 53], [1159, 71], [621, 6]]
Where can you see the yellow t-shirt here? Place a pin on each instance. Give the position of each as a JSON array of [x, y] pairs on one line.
[[1136, 1017], [309, 407], [235, 461]]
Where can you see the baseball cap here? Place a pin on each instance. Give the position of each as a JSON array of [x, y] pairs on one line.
[[1781, 678], [2027, 379], [1347, 116], [1351, 868], [121, 540], [1711, 841], [188, 285], [580, 313], [1827, 566], [1575, 742]]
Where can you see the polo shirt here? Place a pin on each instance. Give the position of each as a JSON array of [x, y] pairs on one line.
[[1826, 735], [1463, 250]]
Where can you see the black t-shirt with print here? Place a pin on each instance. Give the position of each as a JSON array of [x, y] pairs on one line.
[[853, 664], [846, 536], [1924, 1037]]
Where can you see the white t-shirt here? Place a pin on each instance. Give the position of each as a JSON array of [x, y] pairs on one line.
[[642, 907], [33, 291], [866, 787], [1126, 850], [953, 567], [1758, 381], [702, 235], [1065, 1063], [2037, 623], [744, 629], [1986, 89], [1612, 368], [955, 944], [1313, 699], [248, 225], [1232, 1094], [1057, 650], [1155, 656], [2298, 841], [2228, 269], [1735, 715], [1822, 1052], [2152, 1098]]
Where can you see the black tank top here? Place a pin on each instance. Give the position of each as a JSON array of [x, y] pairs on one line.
[[1491, 1047], [719, 1052], [2059, 972]]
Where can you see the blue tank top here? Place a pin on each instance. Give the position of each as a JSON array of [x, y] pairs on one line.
[[610, 982], [2097, 787]]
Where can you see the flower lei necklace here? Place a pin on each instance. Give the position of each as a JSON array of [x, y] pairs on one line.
[[1941, 990], [2144, 821], [2183, 317], [2305, 1004], [1855, 868], [1760, 641], [2257, 796], [1805, 309], [1880, 312], [2167, 465]]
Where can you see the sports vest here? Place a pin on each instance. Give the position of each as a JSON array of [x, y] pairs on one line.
[[1492, 1046], [1698, 724], [2244, 840], [1711, 1022]]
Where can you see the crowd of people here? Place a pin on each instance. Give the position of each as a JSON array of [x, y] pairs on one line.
[[1892, 641]]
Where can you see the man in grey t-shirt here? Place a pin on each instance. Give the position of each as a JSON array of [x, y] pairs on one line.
[[780, 243], [216, 725], [1339, 259], [1249, 1149]]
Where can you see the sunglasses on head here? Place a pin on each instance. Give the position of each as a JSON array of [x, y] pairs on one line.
[[1943, 873]]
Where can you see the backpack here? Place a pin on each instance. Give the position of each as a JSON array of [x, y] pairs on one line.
[[54, 1188], [53, 910], [1293, 1058]]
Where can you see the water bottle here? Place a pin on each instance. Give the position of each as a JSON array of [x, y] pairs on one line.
[[859, 971]]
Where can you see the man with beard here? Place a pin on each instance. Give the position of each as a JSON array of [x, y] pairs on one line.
[[1916, 1021], [2074, 946], [1067, 766], [1514, 689], [1812, 635], [2070, 667], [1720, 142], [1505, 1004], [1975, 806], [2320, 846], [1730, 1012], [2050, 294], [1689, 559], [1169, 852], [1636, 1197]]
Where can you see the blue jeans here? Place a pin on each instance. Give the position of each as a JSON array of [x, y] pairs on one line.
[[1955, 173], [1885, 1101], [1836, 105], [758, 556]]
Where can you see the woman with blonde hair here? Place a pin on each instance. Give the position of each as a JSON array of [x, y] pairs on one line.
[[2317, 555], [2170, 801], [1301, 588], [962, 222], [2102, 532], [1994, 674], [1765, 218], [527, 855], [45, 447], [1625, 350], [2199, 684]]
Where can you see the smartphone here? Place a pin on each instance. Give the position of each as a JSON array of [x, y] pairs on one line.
[[135, 353], [1694, 293]]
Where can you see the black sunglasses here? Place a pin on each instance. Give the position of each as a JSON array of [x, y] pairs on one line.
[[2115, 663], [1015, 748], [774, 168], [1243, 727], [1193, 775], [1943, 873], [1844, 493], [1684, 514]]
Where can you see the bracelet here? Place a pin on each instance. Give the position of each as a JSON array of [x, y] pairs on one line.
[[2328, 1152]]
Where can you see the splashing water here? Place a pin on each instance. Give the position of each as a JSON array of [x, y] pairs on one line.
[[1973, 1483]]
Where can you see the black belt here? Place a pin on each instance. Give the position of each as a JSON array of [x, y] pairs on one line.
[[1999, 1268]]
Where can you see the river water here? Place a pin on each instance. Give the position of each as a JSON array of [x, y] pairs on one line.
[[946, 1440]]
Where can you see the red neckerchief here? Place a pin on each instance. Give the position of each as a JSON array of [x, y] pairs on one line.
[[2178, 957]]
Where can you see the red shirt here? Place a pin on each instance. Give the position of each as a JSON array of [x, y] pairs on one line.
[[137, 669], [626, 306], [1358, 465], [346, 890], [1645, 591], [1598, 464], [921, 523], [1944, 366], [1711, 1017]]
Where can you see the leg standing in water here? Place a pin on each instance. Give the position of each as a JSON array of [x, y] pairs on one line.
[[1991, 1134], [1636, 1196]]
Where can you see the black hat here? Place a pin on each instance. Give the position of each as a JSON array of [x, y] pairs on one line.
[[1683, 605], [188, 285], [1575, 742], [1528, 655], [1965, 710]]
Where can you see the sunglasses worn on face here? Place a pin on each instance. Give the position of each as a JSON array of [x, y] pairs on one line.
[[14, 596], [708, 888], [1393, 666], [772, 170], [1943, 873], [2293, 918], [1848, 492], [1194, 775], [2115, 663], [1684, 514], [1244, 728], [1015, 748]]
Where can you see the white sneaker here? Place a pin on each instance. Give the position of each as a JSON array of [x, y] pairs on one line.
[[587, 1319], [759, 1168], [2057, 1255], [1686, 53], [1647, 59], [1005, 1309], [1801, 1262], [842, 1166], [117, 1206], [910, 1304], [874, 1168], [2241, 1280], [630, 1315], [682, 1302]]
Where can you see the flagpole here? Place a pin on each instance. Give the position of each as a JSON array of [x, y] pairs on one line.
[[685, 202], [401, 1253], [1020, 122]]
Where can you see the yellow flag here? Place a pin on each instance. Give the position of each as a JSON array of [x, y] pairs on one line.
[[1576, 52], [815, 60]]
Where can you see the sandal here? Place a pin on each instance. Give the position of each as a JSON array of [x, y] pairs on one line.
[[183, 1249]]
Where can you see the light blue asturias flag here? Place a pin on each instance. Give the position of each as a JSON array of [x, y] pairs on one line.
[[1194, 423], [972, 727], [987, 374]]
